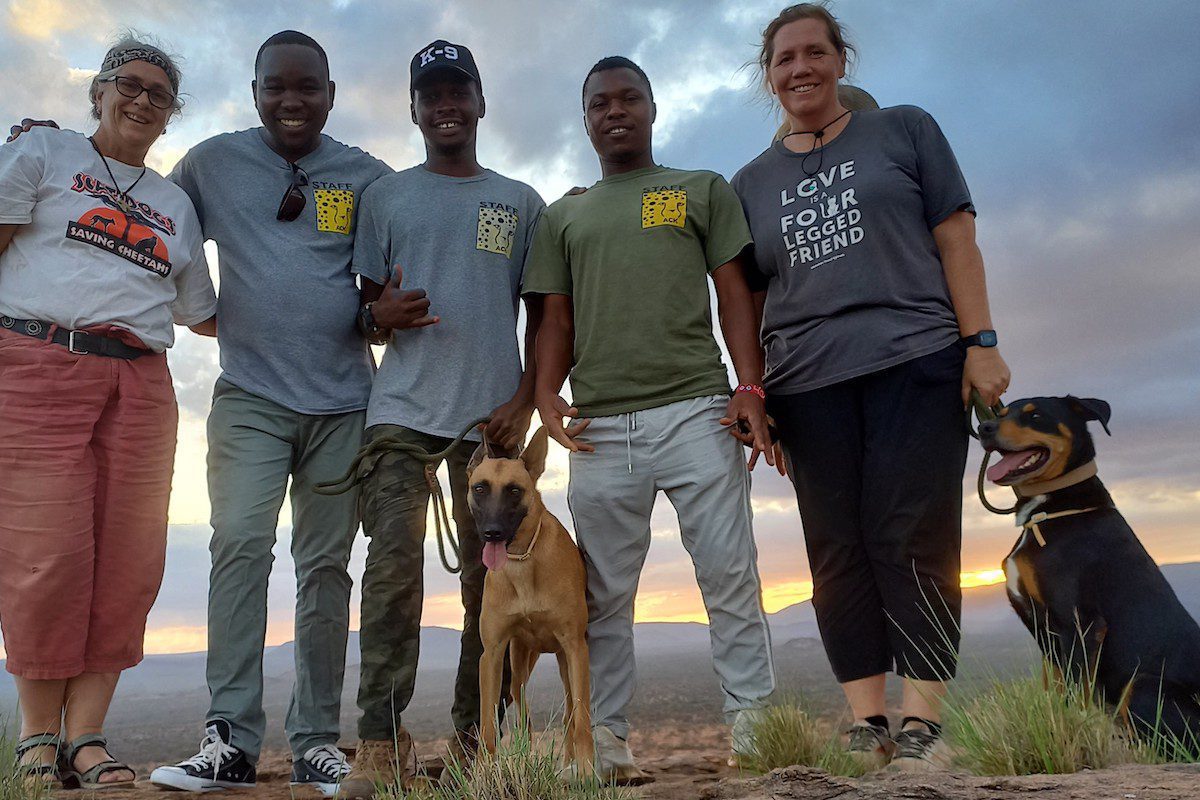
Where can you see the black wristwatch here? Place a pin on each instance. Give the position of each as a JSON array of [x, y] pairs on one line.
[[367, 326], [982, 339]]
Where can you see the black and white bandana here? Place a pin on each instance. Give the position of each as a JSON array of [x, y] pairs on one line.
[[116, 58]]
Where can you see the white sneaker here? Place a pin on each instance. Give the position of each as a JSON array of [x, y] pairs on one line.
[[614, 760], [323, 768], [741, 735]]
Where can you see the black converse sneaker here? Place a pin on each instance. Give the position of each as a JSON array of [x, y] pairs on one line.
[[218, 765], [323, 768]]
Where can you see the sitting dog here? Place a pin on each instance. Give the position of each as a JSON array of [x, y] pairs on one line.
[[534, 598], [1080, 580]]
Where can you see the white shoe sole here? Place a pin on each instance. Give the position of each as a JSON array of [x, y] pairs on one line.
[[326, 789], [171, 778]]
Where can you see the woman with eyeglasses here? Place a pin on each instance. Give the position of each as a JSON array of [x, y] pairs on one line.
[[99, 258]]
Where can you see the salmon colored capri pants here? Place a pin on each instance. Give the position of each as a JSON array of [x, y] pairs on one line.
[[87, 447]]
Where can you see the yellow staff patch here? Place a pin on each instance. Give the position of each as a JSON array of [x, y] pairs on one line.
[[335, 209], [664, 207], [496, 229]]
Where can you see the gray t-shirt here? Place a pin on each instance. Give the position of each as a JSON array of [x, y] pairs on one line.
[[462, 240], [852, 273], [287, 299]]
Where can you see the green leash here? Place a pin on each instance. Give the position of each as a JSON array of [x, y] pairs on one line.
[[393, 444], [985, 413]]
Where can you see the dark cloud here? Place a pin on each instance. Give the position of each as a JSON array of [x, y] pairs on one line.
[[1075, 125]]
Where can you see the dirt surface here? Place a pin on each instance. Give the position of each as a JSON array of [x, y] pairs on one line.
[[1174, 782], [688, 763]]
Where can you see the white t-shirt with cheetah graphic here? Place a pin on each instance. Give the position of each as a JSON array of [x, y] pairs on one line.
[[83, 256]]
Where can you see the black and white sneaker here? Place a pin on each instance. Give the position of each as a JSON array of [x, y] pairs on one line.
[[323, 768], [218, 765]]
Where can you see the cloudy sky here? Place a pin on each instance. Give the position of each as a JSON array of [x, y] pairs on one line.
[[1075, 124]]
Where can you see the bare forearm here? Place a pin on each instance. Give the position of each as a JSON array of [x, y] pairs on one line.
[[739, 323], [962, 264], [369, 291], [533, 321], [555, 347]]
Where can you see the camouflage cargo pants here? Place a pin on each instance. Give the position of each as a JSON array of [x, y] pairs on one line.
[[395, 498]]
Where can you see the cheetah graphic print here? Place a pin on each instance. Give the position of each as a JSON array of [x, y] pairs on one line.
[[335, 209], [664, 207], [496, 229]]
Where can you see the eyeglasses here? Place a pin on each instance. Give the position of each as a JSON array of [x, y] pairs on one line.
[[159, 98], [293, 199]]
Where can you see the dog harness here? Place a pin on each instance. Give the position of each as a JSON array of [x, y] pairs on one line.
[[1033, 523], [1037, 519]]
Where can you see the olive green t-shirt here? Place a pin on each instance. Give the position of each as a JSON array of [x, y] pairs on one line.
[[634, 253]]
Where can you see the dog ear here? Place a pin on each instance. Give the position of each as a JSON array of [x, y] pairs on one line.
[[534, 455], [1091, 408], [476, 458]]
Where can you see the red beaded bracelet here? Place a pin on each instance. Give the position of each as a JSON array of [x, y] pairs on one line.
[[753, 388]]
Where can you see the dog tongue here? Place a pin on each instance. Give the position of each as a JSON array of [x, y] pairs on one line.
[[1010, 463], [495, 555]]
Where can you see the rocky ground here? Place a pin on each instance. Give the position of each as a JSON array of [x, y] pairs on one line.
[[689, 764]]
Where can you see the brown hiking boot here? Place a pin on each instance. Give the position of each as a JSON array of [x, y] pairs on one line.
[[460, 754], [378, 764]]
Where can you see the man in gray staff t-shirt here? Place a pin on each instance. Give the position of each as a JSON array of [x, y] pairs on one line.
[[290, 404], [446, 242]]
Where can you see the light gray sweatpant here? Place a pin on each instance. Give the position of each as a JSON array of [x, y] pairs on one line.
[[682, 450]]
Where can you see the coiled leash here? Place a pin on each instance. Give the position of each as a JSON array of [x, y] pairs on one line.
[[393, 444], [985, 413]]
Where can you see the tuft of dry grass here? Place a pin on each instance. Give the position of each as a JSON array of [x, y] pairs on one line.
[[521, 769], [1020, 727], [787, 734]]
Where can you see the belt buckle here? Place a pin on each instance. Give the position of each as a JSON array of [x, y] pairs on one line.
[[71, 344]]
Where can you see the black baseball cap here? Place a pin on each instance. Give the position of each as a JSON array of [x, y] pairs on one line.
[[441, 55]]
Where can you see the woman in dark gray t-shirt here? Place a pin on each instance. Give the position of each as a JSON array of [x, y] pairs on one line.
[[876, 327]]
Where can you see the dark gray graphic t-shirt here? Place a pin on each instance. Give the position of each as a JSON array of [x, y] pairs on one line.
[[853, 278]]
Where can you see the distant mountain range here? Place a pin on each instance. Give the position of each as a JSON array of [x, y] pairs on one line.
[[160, 703]]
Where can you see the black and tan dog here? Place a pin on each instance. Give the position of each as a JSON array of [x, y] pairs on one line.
[[1098, 605], [534, 595]]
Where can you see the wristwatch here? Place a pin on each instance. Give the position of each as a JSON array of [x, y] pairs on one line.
[[367, 326], [982, 339]]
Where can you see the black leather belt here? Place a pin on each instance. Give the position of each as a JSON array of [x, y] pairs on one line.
[[78, 342]]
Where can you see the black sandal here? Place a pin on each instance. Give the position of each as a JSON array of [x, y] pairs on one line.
[[90, 778], [37, 771]]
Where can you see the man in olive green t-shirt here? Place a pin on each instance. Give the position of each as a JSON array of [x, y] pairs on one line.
[[624, 268]]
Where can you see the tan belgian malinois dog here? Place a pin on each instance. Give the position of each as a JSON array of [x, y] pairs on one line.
[[534, 597]]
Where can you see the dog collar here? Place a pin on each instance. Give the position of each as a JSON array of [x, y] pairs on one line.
[[1077, 475], [529, 550]]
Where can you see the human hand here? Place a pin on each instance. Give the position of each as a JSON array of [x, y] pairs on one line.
[[985, 371], [27, 124], [509, 424], [552, 409], [399, 308], [746, 419], [575, 190]]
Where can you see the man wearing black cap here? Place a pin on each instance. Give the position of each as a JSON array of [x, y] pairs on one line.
[[441, 251]]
